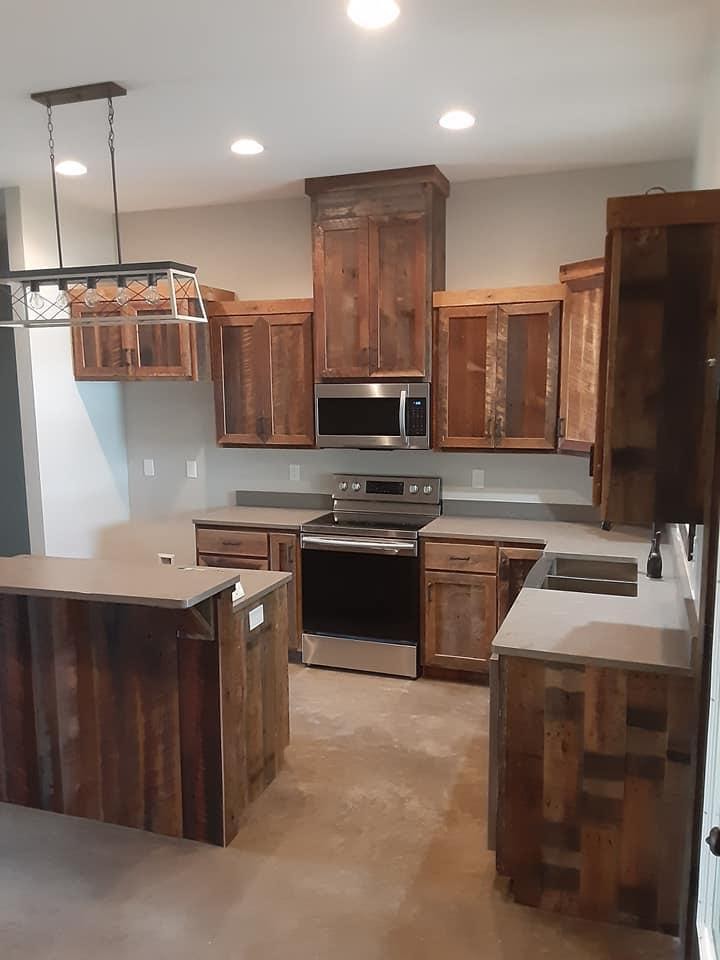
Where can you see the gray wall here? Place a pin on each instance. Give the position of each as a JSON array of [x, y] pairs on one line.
[[14, 531]]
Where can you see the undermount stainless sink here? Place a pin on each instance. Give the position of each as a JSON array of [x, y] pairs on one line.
[[614, 577]]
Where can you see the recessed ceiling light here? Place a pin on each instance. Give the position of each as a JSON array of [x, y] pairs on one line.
[[71, 168], [373, 14], [457, 120], [247, 148]]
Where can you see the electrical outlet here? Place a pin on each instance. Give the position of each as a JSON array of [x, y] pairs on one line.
[[295, 472], [166, 559], [478, 479], [149, 468], [191, 469]]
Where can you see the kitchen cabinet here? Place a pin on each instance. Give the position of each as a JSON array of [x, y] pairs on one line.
[[659, 357], [263, 373], [580, 354], [130, 352], [378, 254], [514, 564], [257, 550], [460, 613], [497, 368]]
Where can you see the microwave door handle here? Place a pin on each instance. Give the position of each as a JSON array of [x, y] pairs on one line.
[[403, 422]]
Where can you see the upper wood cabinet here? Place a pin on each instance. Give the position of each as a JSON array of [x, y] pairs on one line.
[[263, 373], [580, 354], [378, 254], [127, 352], [496, 368], [660, 357]]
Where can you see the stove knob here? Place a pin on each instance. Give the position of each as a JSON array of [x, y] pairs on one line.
[[413, 488], [356, 486], [343, 485], [427, 489]]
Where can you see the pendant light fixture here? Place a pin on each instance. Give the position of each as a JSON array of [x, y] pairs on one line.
[[134, 293]]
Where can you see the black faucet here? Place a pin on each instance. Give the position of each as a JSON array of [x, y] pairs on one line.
[[654, 561]]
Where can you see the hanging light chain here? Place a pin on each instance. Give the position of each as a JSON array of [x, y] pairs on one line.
[[111, 147], [51, 147]]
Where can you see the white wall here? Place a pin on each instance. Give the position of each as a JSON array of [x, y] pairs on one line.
[[707, 157], [500, 232], [73, 433]]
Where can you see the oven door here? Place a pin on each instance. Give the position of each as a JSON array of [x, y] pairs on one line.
[[361, 604], [373, 415]]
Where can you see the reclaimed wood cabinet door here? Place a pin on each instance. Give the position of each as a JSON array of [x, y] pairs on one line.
[[285, 556], [399, 331], [289, 377], [528, 357], [580, 362], [460, 620], [159, 350], [465, 377], [514, 564], [342, 308], [239, 356], [232, 563], [99, 352]]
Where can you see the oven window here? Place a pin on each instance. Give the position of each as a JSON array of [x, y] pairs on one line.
[[359, 416], [362, 596]]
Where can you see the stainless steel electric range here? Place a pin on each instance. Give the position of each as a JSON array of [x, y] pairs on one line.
[[361, 574]]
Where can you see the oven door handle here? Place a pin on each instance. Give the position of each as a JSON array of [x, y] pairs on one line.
[[403, 417], [357, 545]]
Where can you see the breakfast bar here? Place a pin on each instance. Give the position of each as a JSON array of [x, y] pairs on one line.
[[140, 695]]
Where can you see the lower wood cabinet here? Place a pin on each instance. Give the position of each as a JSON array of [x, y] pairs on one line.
[[468, 589], [514, 564], [460, 620], [256, 550]]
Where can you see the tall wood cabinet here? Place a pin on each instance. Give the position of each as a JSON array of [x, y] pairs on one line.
[[263, 373], [378, 254], [580, 359], [660, 357], [127, 352], [497, 368]]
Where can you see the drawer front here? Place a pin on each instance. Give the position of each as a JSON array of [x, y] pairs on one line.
[[461, 557], [233, 563], [243, 543]]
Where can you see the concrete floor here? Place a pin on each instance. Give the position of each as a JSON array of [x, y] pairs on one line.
[[369, 846]]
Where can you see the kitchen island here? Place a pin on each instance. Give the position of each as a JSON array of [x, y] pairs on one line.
[[145, 696]]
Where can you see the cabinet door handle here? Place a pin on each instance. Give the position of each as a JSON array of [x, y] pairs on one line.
[[490, 422], [498, 429]]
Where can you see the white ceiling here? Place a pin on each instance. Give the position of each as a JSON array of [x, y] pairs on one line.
[[557, 84]]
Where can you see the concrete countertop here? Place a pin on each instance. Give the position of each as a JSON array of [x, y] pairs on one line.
[[272, 518], [656, 630], [148, 585]]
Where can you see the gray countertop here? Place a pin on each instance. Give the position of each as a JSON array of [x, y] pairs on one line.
[[272, 518], [656, 630], [116, 582]]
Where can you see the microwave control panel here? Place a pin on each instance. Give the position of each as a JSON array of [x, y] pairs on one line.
[[416, 417]]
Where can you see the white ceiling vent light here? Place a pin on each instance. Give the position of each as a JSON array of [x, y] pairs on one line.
[[116, 293], [373, 14]]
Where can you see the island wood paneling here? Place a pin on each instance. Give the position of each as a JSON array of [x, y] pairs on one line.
[[595, 781], [141, 716]]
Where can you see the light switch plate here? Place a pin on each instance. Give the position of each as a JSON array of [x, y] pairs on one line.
[[256, 617], [191, 469], [149, 468], [478, 479], [295, 472]]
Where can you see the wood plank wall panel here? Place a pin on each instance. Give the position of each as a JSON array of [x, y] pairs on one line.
[[116, 712], [597, 763]]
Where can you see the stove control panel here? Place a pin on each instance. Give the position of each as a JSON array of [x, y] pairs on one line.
[[388, 489]]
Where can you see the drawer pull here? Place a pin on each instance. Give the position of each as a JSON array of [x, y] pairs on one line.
[[460, 559], [231, 543]]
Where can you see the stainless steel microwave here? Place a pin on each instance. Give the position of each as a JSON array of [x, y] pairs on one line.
[[368, 416]]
